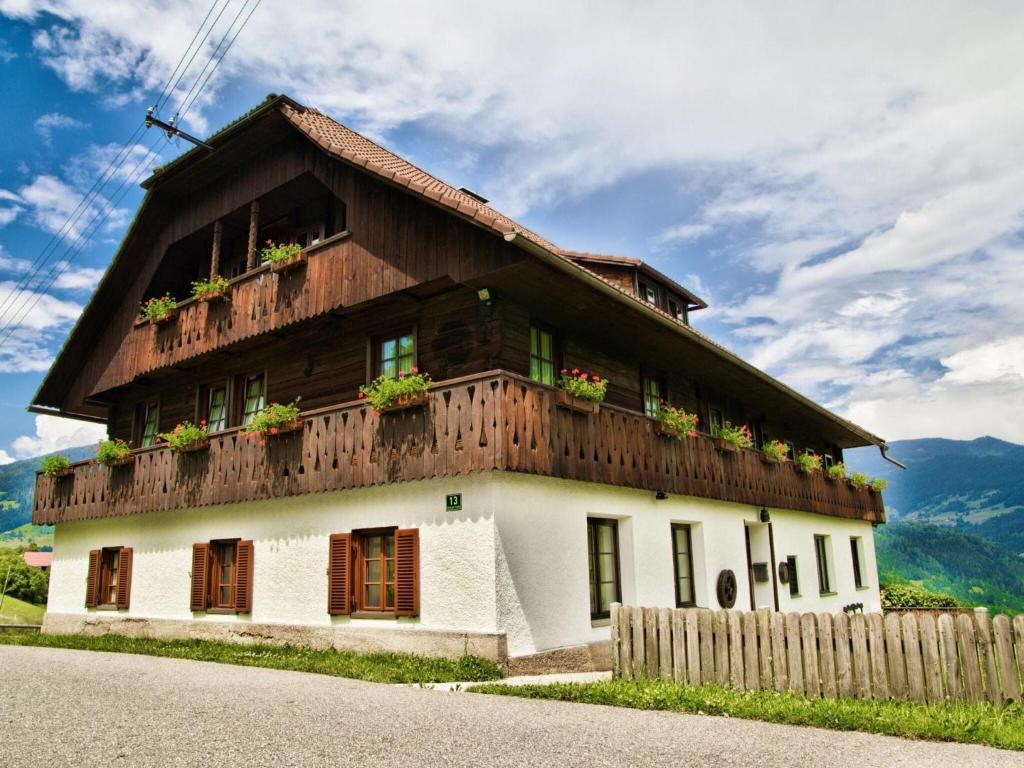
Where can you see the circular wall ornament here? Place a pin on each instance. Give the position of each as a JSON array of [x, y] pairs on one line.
[[727, 589], [784, 572]]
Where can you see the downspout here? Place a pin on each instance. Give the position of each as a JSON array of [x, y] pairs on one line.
[[883, 448]]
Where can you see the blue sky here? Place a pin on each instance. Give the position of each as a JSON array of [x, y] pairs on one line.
[[844, 185]]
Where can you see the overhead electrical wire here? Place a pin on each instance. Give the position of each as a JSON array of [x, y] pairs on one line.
[[100, 215]]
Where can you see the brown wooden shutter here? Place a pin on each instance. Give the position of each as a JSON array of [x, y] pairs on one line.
[[124, 577], [243, 577], [200, 569], [339, 574], [92, 578], [407, 572]]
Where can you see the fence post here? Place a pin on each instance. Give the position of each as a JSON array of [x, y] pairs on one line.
[[616, 641]]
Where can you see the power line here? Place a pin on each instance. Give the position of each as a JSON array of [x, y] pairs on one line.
[[168, 88]]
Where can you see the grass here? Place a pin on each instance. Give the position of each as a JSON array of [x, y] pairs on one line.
[[15, 611], [970, 723], [375, 667]]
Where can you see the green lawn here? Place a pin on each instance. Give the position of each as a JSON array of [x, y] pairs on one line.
[[964, 722], [376, 667], [15, 611]]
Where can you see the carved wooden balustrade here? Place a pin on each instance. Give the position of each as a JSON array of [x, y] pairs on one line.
[[491, 421]]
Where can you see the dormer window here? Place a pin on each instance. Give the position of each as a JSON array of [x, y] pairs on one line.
[[677, 310], [648, 293]]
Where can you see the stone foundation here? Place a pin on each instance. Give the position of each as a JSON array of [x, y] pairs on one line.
[[592, 657]]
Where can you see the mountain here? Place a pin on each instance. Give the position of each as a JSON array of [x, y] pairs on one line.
[[942, 559], [975, 486], [17, 484]]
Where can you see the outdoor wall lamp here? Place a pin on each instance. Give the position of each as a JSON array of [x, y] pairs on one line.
[[764, 517], [484, 295], [660, 495]]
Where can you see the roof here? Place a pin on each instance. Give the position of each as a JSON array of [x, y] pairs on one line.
[[696, 301], [346, 145], [38, 559]]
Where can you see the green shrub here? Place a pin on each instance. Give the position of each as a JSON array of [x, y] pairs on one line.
[[26, 582], [385, 391], [185, 435], [879, 484], [158, 307], [276, 253], [216, 286], [776, 450], [808, 462], [56, 465], [583, 385], [676, 421], [112, 451], [738, 436], [902, 595], [837, 471], [859, 480], [271, 419]]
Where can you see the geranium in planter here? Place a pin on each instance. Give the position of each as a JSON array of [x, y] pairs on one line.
[[730, 438], [113, 453], [581, 391], [217, 287], [674, 422], [836, 472], [775, 452], [160, 309], [878, 484], [808, 463], [275, 419], [858, 480], [394, 393], [57, 465], [282, 256], [187, 437]]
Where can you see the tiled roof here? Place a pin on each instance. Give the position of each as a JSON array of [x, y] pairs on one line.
[[38, 559]]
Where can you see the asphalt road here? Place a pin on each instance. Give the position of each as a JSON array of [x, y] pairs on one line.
[[81, 708]]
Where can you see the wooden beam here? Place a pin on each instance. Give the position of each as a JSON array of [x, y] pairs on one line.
[[218, 233], [254, 223]]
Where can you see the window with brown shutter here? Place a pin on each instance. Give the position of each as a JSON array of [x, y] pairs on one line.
[[407, 572], [124, 578], [339, 574], [243, 576], [200, 565], [92, 578]]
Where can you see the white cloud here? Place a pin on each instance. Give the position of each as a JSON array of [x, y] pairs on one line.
[[6, 54], [996, 361], [54, 433], [6, 458], [46, 124], [682, 233]]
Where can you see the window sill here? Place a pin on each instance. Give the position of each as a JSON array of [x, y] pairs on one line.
[[385, 615], [107, 608], [861, 589], [827, 594], [605, 621], [796, 594], [221, 611]]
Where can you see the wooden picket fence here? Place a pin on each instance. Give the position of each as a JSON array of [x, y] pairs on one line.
[[913, 656]]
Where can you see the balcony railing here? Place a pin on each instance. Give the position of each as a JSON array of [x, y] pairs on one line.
[[491, 421]]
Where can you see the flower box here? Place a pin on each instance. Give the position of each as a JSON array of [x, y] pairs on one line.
[[61, 474], [666, 431], [124, 461], [769, 460], [293, 425], [724, 446], [209, 298], [581, 405], [407, 400], [167, 319], [295, 261], [198, 445]]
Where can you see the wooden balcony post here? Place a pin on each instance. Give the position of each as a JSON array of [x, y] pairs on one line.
[[218, 231], [254, 223]]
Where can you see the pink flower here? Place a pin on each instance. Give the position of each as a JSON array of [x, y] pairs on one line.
[[361, 395], [584, 376], [597, 379], [565, 371], [575, 371], [415, 369], [274, 430]]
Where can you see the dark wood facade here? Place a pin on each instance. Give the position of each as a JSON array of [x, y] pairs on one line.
[[391, 262]]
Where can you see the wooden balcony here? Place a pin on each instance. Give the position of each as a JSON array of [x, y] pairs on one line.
[[491, 421]]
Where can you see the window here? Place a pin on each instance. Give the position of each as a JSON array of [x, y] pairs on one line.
[[254, 397], [827, 460], [222, 576], [676, 310], [757, 433], [855, 548], [790, 450], [148, 415], [683, 560], [794, 581], [821, 555], [647, 293], [375, 571], [108, 582], [653, 393], [715, 419], [542, 356], [217, 408], [603, 546], [396, 354]]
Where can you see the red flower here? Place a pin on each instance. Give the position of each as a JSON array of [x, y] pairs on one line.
[[401, 374], [565, 371], [361, 395], [415, 369], [248, 436], [597, 379], [584, 376], [274, 430], [202, 422], [575, 371]]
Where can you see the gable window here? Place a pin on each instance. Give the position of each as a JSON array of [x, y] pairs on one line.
[[108, 582], [217, 407], [222, 572], [374, 571], [653, 395], [603, 548], [147, 423], [542, 356], [821, 547], [855, 550], [683, 560], [794, 579], [676, 310], [254, 397], [647, 293], [396, 355]]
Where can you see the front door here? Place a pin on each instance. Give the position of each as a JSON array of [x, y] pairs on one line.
[[760, 568]]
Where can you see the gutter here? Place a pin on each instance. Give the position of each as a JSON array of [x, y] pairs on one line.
[[565, 265], [884, 448]]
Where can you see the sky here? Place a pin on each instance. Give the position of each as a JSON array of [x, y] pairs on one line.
[[842, 182]]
